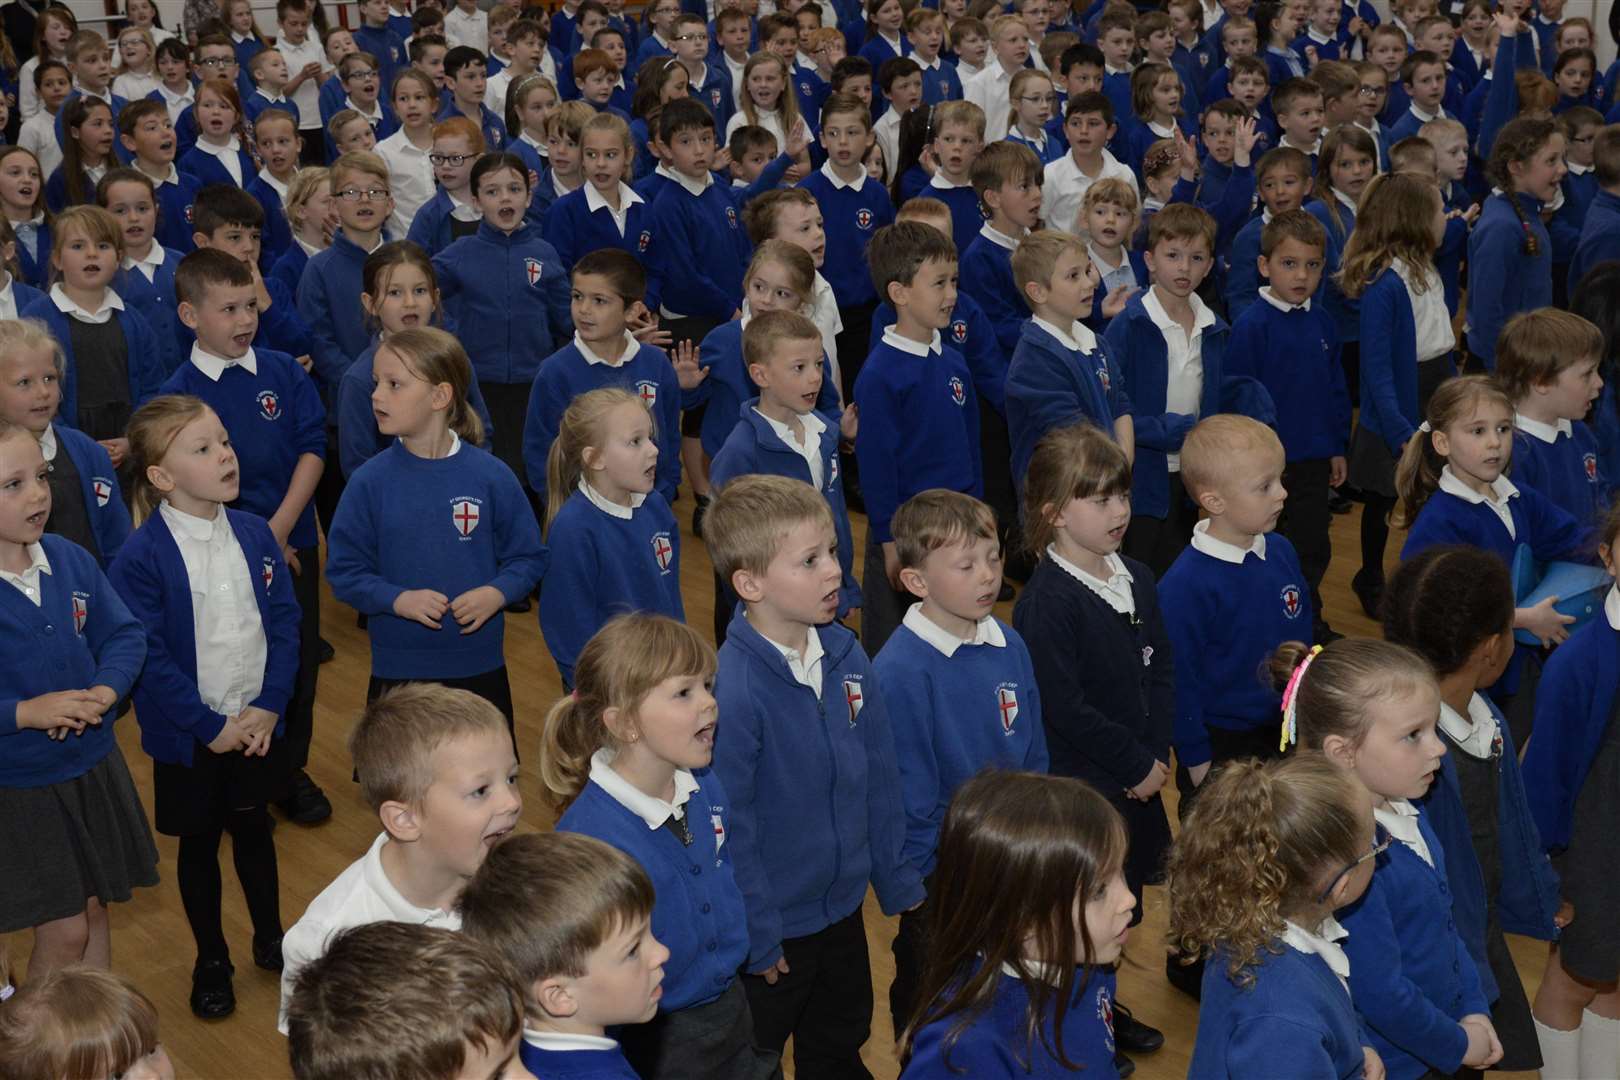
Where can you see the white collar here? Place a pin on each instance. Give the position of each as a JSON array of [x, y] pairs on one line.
[[926, 65], [1474, 734], [1119, 575], [239, 38], [695, 187], [1344, 199], [985, 632], [1217, 548], [309, 249], [1282, 305], [806, 661], [214, 366], [110, 302], [1317, 36], [153, 257], [595, 202], [838, 182], [84, 91], [374, 115], [808, 63], [1426, 117], [1400, 817], [274, 99], [1577, 170], [275, 185], [892, 337], [1202, 315], [47, 442], [192, 526], [608, 506], [188, 95], [1163, 131], [649, 808], [1077, 338], [631, 345], [1547, 433], [938, 181], [1503, 488], [557, 1041], [1101, 263], [814, 427], [997, 237], [38, 562], [558, 185], [1322, 942], [232, 146], [1611, 607], [171, 177], [1312, 149]]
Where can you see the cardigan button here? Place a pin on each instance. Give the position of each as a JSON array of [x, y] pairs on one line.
[[705, 909], [696, 870], [711, 946]]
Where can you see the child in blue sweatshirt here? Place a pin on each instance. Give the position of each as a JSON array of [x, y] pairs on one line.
[[1547, 362], [1411, 976], [608, 287], [146, 282], [1283, 176], [627, 759], [921, 412], [233, 221], [1276, 995], [1346, 164], [960, 687], [807, 757], [1292, 349], [1600, 232], [276, 421], [614, 541], [1060, 372], [86, 505], [213, 706], [147, 136], [1008, 184], [604, 211], [329, 290], [1048, 1008], [433, 527], [1232, 597]]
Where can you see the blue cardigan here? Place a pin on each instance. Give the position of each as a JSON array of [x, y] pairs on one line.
[[1049, 386], [80, 636], [815, 790], [98, 487], [1518, 282], [728, 385], [699, 912], [155, 300], [144, 356], [151, 576], [1574, 703], [1389, 385]]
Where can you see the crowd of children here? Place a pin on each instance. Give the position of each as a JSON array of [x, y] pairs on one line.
[[1121, 303]]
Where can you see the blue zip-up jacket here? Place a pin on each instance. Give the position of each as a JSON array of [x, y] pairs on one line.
[[699, 249], [1574, 702], [728, 385], [815, 791], [919, 429], [1389, 389], [605, 565], [1600, 237], [755, 447], [953, 716], [850, 217], [1343, 309], [174, 201], [358, 438], [985, 274], [1295, 355], [1103, 727], [970, 334], [151, 577], [450, 524], [1294, 1019], [1224, 619], [566, 374], [156, 302], [1050, 386], [50, 649], [387, 46], [328, 300], [1410, 973], [1143, 357], [508, 296], [143, 356], [98, 487], [1516, 281], [699, 914], [274, 417], [574, 230], [1566, 470]]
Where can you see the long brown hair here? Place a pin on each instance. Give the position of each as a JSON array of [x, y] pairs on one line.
[[1016, 852], [152, 430], [1340, 139], [437, 357], [1518, 142], [1417, 476], [74, 114], [1393, 222]]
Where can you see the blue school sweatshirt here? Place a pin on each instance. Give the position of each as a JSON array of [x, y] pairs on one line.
[[1108, 720], [699, 912], [997, 1042], [755, 447], [919, 427], [1343, 309], [728, 385], [1294, 1018], [566, 374], [35, 262], [175, 197], [1294, 354], [1048, 149], [274, 416], [714, 90], [815, 791], [1389, 382], [985, 274], [98, 489], [1050, 385], [1600, 237], [1143, 356], [1566, 470], [150, 575], [156, 302], [970, 334], [1517, 282], [358, 438], [605, 564], [605, 1064], [289, 269], [953, 715], [1224, 619], [208, 169], [943, 83], [493, 127], [1410, 973], [387, 46], [575, 229], [276, 233], [1574, 701], [508, 296], [699, 249], [80, 636], [450, 524], [851, 213], [329, 303], [144, 356]]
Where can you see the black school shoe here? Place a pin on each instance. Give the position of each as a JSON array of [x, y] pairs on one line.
[[306, 803], [267, 955], [1338, 502], [1133, 1035], [1370, 592], [1123, 1065], [212, 995], [1188, 978], [699, 512]]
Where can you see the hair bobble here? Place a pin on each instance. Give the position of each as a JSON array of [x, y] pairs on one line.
[[1290, 701], [1425, 428]]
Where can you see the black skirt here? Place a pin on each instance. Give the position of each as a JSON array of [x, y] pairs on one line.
[[1371, 465], [1588, 947], [64, 844], [192, 800]]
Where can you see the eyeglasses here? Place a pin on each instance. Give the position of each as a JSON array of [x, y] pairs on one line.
[[217, 62], [1372, 91], [1039, 99], [1381, 841], [696, 35], [360, 73], [363, 194], [452, 160]]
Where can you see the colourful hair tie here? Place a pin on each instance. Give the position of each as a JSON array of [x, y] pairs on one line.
[[1290, 700]]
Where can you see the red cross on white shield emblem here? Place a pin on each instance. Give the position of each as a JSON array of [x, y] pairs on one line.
[[647, 391], [1291, 600], [268, 573], [81, 612], [464, 516], [853, 698], [534, 270], [958, 391], [103, 490], [663, 551], [1007, 706], [1589, 463]]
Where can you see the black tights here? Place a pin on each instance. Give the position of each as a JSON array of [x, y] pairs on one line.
[[253, 850], [1375, 511]]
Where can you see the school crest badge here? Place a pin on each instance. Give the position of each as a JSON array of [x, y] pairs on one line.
[[1105, 1013], [647, 391], [853, 698], [188, 213], [643, 241], [1292, 601], [1589, 463], [103, 489], [1007, 706], [958, 391], [959, 331], [267, 572], [714, 99], [81, 611], [663, 552], [863, 219], [464, 515], [535, 271], [832, 470], [269, 405], [1102, 377], [731, 216], [719, 829]]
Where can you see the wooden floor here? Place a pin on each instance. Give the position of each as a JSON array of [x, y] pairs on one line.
[[152, 945]]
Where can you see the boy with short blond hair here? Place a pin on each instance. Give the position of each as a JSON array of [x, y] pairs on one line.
[[1547, 361], [1007, 178], [415, 748], [926, 30], [1009, 44], [805, 718]]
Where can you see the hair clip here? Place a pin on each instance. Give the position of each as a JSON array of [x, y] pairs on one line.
[[6, 991], [1290, 700], [1425, 428]]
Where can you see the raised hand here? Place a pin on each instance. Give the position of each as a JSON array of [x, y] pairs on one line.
[[687, 370]]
